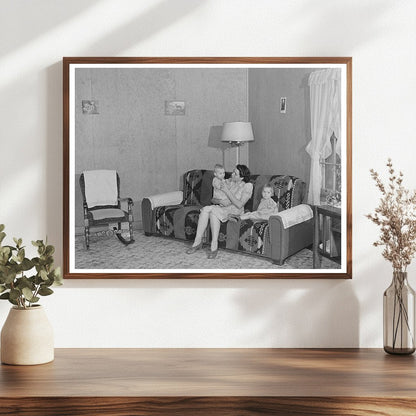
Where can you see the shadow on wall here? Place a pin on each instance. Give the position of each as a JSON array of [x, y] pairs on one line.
[[214, 141], [262, 313], [54, 146], [44, 16], [288, 314], [334, 19], [157, 18]]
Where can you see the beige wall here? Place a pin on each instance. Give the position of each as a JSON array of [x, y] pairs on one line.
[[132, 134], [280, 139], [380, 35]]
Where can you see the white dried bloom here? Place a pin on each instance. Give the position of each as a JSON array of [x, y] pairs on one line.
[[396, 216]]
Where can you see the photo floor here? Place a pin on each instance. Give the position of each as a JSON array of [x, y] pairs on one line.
[[163, 253]]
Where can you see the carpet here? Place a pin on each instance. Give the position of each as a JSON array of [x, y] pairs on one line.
[[164, 253]]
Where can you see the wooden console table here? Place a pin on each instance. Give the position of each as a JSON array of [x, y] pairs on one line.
[[212, 382]]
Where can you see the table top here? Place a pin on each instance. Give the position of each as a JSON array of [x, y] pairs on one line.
[[214, 372], [329, 210]]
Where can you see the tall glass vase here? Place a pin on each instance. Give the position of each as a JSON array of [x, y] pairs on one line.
[[399, 316]]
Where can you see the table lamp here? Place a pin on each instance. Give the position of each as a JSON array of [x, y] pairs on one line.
[[237, 133]]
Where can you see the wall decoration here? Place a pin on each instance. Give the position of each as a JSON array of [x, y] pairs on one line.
[[90, 107], [175, 108], [283, 104], [154, 174]]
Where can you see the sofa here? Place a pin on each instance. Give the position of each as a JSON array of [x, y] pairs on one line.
[[175, 215]]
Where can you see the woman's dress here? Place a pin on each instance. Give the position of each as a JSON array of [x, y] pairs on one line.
[[242, 191]]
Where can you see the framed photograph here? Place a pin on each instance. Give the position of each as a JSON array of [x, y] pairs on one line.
[[283, 105], [175, 108], [89, 107], [226, 190]]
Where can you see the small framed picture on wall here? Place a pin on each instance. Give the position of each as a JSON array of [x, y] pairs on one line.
[[283, 105]]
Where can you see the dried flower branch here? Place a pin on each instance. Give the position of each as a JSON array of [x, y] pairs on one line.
[[396, 216]]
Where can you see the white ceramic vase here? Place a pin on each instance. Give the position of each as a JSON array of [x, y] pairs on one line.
[[27, 337]]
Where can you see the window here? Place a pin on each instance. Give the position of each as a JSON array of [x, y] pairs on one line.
[[331, 176]]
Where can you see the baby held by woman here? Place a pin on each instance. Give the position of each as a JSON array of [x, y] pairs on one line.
[[218, 183]]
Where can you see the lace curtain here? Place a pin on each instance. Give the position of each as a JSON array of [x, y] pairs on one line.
[[325, 94]]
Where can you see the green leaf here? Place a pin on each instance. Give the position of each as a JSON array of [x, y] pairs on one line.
[[2, 288], [5, 250], [45, 291], [48, 260], [21, 255], [49, 250], [1, 227], [7, 297], [25, 282], [2, 236], [9, 277], [18, 242], [27, 293], [43, 274], [26, 264], [15, 294], [57, 276], [37, 280], [13, 302], [11, 248]]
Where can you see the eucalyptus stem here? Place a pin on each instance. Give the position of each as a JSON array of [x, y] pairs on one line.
[[23, 279]]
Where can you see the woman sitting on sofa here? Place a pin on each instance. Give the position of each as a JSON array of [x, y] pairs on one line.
[[239, 192]]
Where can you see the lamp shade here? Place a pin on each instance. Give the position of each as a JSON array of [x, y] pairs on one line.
[[237, 131]]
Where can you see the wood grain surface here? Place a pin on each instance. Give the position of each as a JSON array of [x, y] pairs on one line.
[[212, 381]]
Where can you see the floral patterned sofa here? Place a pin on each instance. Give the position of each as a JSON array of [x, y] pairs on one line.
[[175, 214]]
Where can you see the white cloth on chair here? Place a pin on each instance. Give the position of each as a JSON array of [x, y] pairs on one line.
[[168, 198], [100, 187], [295, 215]]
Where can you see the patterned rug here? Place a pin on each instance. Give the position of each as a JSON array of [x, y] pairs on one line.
[[165, 253]]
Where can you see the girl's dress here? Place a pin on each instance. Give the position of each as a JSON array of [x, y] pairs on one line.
[[266, 208], [242, 191]]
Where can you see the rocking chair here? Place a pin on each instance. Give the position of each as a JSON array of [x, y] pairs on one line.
[[103, 205]]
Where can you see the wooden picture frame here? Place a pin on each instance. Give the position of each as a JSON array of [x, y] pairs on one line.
[[105, 141]]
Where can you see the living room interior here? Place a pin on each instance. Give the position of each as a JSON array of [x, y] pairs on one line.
[[197, 314], [151, 150], [131, 132]]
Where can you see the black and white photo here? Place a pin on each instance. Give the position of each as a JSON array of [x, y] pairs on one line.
[[212, 185]]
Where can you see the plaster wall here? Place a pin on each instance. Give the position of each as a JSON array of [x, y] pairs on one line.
[[380, 36], [281, 138], [132, 134]]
